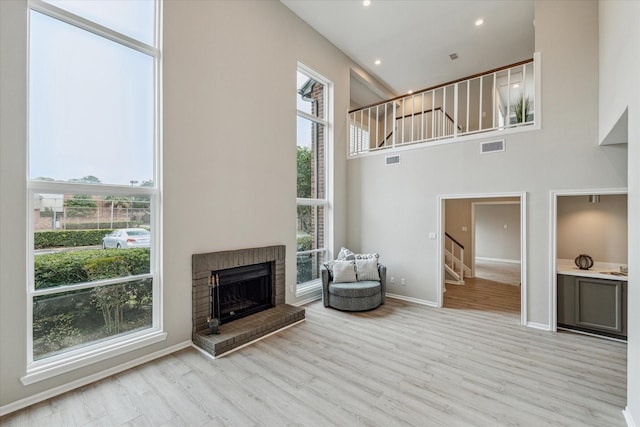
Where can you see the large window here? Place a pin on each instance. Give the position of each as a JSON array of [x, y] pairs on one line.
[[313, 132], [93, 180]]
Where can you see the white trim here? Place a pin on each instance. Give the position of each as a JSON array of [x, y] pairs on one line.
[[89, 355], [628, 417], [312, 118], [414, 300], [56, 391], [523, 243], [308, 300], [553, 241], [509, 261], [488, 136], [309, 287], [92, 27], [211, 356], [541, 326]]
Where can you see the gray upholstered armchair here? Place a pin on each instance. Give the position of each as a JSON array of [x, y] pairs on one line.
[[353, 295]]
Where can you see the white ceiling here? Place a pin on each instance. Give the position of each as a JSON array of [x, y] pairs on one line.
[[413, 38]]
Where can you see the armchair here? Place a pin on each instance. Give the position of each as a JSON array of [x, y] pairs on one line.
[[359, 295]]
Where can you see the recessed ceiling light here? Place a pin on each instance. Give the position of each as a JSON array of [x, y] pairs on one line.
[[453, 56], [479, 22], [517, 85], [366, 2], [377, 62], [410, 92]]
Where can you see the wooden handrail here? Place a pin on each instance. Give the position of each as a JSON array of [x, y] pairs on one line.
[[495, 70], [454, 240], [415, 114]]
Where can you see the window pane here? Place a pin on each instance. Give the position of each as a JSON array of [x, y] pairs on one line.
[[311, 95], [74, 243], [69, 320], [308, 266], [311, 159], [134, 18], [91, 106], [310, 230]]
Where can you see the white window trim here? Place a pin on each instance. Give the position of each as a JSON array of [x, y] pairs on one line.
[[327, 202], [110, 347]]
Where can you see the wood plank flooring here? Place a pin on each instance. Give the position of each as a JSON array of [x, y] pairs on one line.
[[400, 365]]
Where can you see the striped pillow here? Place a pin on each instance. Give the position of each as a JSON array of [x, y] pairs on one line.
[[367, 269], [344, 271]]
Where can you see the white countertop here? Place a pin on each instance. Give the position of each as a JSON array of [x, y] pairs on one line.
[[599, 270]]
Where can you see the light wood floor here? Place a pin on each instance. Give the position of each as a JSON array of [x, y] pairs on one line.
[[501, 272], [486, 295], [402, 364]]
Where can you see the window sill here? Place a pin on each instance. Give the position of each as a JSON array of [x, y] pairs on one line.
[[309, 288], [45, 369]]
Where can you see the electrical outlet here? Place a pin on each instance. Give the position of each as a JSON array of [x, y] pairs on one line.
[[403, 281], [392, 280]]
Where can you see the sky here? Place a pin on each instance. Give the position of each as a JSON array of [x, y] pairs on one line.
[[91, 100]]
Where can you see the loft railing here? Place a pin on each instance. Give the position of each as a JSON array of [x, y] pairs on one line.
[[498, 99]]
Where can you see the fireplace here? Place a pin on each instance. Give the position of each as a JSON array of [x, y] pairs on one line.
[[256, 303], [240, 291]]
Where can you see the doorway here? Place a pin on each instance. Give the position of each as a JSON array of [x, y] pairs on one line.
[[489, 232]]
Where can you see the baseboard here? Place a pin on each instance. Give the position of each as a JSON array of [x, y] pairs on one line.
[[48, 394], [541, 326], [411, 299], [628, 418], [509, 261]]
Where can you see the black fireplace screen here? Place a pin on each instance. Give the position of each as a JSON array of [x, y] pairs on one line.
[[241, 291]]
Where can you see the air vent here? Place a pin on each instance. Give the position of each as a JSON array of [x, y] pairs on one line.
[[392, 160], [492, 146]]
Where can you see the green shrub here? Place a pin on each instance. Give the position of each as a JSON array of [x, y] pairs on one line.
[[65, 268], [68, 238], [304, 243]]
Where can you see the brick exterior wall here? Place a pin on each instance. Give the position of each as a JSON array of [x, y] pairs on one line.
[[318, 164]]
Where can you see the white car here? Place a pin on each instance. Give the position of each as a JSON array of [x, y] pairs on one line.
[[127, 238]]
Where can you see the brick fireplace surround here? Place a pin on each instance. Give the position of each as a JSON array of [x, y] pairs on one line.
[[242, 331]]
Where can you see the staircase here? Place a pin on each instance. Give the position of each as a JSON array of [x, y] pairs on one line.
[[453, 261]]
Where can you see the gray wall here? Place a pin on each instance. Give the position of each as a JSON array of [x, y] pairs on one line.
[[493, 239], [619, 89], [393, 209], [596, 229], [229, 154]]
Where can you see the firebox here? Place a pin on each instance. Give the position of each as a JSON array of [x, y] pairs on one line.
[[240, 291]]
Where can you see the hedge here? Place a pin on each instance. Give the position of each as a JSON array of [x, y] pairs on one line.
[[66, 268], [68, 238]]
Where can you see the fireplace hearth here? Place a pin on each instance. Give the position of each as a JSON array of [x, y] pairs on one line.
[[241, 295]]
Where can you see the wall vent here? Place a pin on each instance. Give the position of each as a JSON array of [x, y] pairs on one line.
[[392, 160], [492, 146]]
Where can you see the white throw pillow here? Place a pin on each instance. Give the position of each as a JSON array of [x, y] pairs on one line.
[[344, 271], [367, 269]]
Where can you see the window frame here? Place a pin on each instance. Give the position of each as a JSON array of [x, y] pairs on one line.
[[326, 202], [66, 361]]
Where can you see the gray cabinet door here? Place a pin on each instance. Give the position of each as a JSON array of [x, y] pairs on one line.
[[598, 305]]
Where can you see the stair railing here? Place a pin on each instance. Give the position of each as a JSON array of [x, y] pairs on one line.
[[456, 258]]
